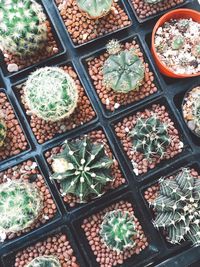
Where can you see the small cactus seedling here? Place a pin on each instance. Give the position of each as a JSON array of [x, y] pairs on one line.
[[82, 169], [177, 207], [196, 50], [95, 9], [2, 132], [123, 71], [20, 205], [153, 1], [23, 29], [150, 137], [177, 42], [51, 94], [44, 261], [118, 230]]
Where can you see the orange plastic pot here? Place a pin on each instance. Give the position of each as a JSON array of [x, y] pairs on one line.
[[175, 14]]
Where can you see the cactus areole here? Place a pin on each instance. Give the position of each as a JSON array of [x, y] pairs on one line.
[[3, 130], [44, 261]]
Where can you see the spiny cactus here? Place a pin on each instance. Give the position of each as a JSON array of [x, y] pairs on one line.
[[2, 132], [23, 29], [95, 8], [153, 1], [177, 207], [150, 137], [118, 230], [82, 169], [20, 205], [113, 47], [51, 94], [124, 71], [177, 42], [44, 261]]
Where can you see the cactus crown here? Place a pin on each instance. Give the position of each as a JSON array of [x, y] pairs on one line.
[[177, 207], [118, 229], [82, 169], [123, 71], [23, 28], [153, 1], [51, 94], [150, 137], [2, 132], [95, 8], [20, 206], [113, 47], [177, 42], [44, 261]]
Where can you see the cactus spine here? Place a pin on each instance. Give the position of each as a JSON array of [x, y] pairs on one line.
[[23, 29], [44, 261], [51, 94], [2, 132], [82, 169]]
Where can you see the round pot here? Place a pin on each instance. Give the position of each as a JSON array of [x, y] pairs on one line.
[[182, 13]]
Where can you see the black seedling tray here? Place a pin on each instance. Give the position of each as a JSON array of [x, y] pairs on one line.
[[69, 220]]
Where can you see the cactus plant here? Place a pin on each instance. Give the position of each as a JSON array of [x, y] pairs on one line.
[[95, 9], [82, 169], [118, 230], [153, 1], [23, 29], [2, 132], [51, 94], [177, 207], [177, 42], [44, 261], [196, 50], [20, 205], [123, 71], [150, 137]]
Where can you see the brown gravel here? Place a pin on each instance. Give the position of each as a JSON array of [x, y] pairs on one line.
[[28, 171], [84, 112], [83, 29], [99, 137], [140, 164], [105, 256], [50, 49], [108, 97], [15, 141], [145, 10], [57, 246]]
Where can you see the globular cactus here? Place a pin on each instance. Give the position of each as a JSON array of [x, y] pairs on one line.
[[118, 230], [177, 207], [95, 9], [44, 261], [150, 137], [177, 42], [153, 1], [3, 130], [82, 169], [20, 206], [23, 29], [196, 50], [51, 94], [123, 71]]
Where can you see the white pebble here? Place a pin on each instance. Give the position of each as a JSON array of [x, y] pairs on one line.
[[12, 67]]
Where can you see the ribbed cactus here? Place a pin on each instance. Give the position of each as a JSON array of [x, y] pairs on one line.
[[51, 94], [23, 29], [153, 1], [177, 207], [95, 8], [123, 71], [150, 137], [2, 132], [82, 169], [20, 205], [118, 230], [177, 42], [44, 261]]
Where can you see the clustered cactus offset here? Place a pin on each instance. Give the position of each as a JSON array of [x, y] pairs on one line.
[[20, 205], [150, 137], [2, 132], [95, 9], [123, 71], [44, 261], [177, 207], [51, 94], [23, 29], [82, 169], [118, 230]]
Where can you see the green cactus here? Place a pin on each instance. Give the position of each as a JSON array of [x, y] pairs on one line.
[[44, 261], [153, 1], [82, 169], [196, 50], [3, 130], [113, 47], [118, 230], [150, 137], [124, 71], [51, 94], [95, 9], [23, 29], [177, 42], [20, 205], [177, 207]]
